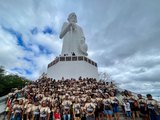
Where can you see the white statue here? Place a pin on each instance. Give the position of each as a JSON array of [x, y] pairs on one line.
[[73, 37]]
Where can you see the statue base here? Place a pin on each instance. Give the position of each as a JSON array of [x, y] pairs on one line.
[[72, 67]]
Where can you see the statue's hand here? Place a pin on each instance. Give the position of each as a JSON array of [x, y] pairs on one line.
[[73, 25]]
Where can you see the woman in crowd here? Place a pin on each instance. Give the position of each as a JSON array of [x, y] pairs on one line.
[[90, 109], [76, 109], [35, 110], [115, 105], [108, 110], [152, 108], [57, 115], [66, 105], [17, 110], [133, 104], [44, 111], [99, 106], [142, 107]]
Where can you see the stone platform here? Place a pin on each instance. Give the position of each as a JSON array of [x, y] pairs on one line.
[[72, 67]]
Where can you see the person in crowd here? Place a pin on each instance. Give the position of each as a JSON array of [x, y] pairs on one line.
[[76, 110], [57, 115], [122, 99], [35, 110], [27, 109], [115, 105], [108, 110], [44, 111], [83, 111], [90, 109], [8, 106], [152, 108], [127, 109], [66, 104], [142, 107], [99, 106], [17, 110], [133, 104]]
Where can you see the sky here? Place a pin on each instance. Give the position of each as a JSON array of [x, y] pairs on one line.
[[122, 37]]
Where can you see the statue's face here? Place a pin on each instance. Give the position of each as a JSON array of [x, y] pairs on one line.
[[73, 18]]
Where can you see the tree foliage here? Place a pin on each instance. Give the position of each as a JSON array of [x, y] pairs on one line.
[[7, 82]]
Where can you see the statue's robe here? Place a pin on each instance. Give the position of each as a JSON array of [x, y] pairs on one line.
[[72, 40]]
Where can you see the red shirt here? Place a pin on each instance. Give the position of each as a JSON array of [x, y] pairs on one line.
[[57, 116]]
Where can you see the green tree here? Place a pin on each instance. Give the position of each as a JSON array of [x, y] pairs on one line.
[[7, 82]]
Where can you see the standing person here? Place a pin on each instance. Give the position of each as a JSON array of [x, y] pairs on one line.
[[66, 104], [8, 107], [107, 107], [99, 106], [115, 105], [142, 107], [127, 109], [152, 108], [35, 111], [44, 111], [57, 114], [17, 110], [76, 110], [90, 109], [133, 104], [27, 109], [83, 112]]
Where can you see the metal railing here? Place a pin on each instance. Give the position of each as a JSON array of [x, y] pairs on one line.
[[72, 58]]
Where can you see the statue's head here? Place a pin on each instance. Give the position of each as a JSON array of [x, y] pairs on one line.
[[72, 17]]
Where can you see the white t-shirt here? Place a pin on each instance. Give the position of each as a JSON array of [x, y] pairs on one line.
[[28, 107], [35, 109], [90, 107], [44, 111], [151, 104], [77, 108], [127, 106]]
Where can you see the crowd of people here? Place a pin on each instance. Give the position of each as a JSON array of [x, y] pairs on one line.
[[83, 99]]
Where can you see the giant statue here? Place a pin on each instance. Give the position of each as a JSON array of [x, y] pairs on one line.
[[73, 37]]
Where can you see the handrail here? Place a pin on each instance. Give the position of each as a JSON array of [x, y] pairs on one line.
[[72, 58]]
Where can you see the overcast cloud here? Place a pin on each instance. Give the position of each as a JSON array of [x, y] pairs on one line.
[[123, 38]]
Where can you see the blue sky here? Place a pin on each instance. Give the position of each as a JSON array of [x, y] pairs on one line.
[[122, 36]]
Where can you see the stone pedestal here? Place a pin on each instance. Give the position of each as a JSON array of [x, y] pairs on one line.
[[72, 67]]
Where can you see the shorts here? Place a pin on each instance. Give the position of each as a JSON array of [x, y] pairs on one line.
[[143, 111], [128, 114], [115, 109], [108, 112], [77, 115], [134, 109]]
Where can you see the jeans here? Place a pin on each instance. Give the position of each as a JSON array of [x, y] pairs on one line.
[[152, 115], [90, 118], [65, 116], [128, 114], [16, 117]]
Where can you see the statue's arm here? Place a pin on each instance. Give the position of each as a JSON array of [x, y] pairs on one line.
[[82, 34], [65, 29]]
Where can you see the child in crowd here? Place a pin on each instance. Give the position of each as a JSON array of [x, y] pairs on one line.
[[57, 115], [127, 109]]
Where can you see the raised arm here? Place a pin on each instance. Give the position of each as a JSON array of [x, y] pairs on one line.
[[65, 29]]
